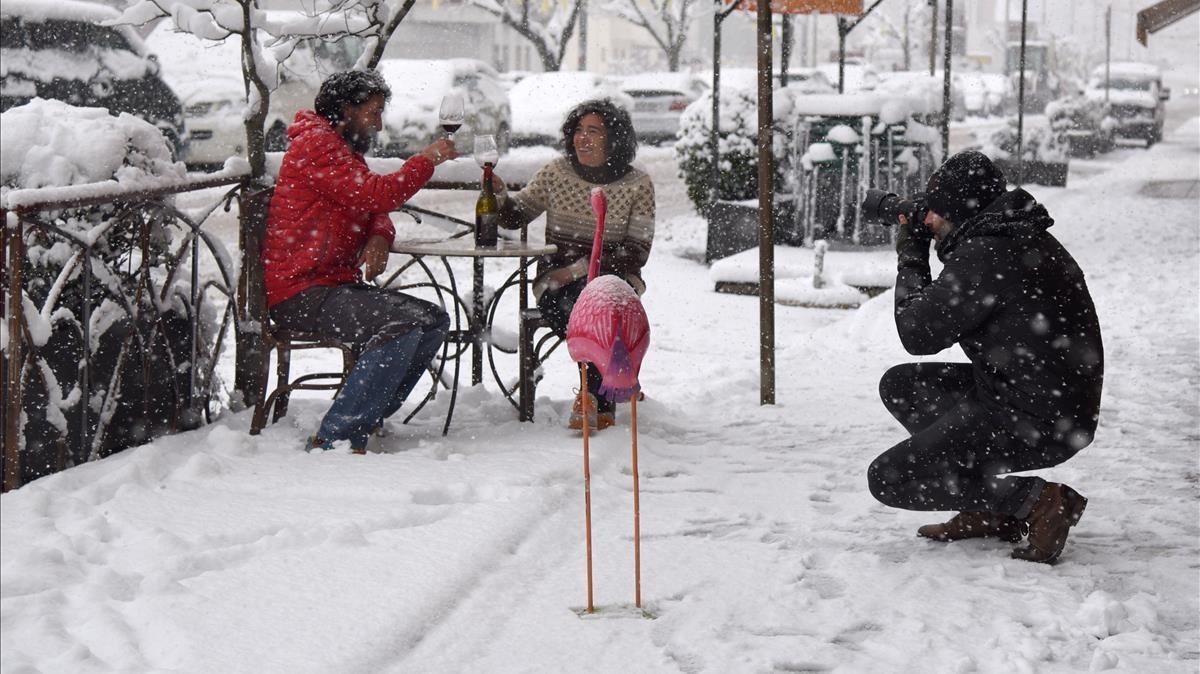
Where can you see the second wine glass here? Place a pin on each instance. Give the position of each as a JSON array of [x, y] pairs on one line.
[[486, 152], [452, 113]]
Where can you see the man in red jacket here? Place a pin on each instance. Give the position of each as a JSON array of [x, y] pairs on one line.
[[329, 217]]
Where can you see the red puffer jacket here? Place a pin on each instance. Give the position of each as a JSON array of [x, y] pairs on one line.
[[326, 205]]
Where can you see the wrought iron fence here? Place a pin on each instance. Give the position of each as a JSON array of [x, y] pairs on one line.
[[117, 306]]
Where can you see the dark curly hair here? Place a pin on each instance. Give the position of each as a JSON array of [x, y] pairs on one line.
[[621, 142], [353, 87]]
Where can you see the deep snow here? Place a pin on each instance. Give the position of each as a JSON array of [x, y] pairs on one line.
[[762, 550]]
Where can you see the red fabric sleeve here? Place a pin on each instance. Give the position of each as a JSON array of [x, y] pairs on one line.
[[340, 176]]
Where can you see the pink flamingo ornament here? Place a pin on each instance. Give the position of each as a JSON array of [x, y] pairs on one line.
[[608, 328]]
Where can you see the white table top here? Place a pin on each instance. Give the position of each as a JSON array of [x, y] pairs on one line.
[[465, 247]]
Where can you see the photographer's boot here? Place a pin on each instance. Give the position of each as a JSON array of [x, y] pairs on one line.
[[974, 525], [1058, 508]]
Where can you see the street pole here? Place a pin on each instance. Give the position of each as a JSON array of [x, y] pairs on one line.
[[785, 48], [933, 38], [841, 26], [1021, 96], [766, 228], [946, 80], [583, 34], [1107, 48]]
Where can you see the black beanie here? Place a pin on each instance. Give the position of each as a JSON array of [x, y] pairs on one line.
[[965, 185]]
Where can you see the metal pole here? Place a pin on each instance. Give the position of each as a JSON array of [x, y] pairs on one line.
[[14, 356], [785, 48], [583, 34], [766, 230], [1107, 48], [1021, 97], [933, 20], [946, 80], [841, 55], [714, 131]]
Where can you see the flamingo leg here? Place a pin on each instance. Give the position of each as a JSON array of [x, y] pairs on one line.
[[587, 483], [637, 527]]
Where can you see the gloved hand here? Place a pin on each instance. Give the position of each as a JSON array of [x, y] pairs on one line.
[[912, 242]]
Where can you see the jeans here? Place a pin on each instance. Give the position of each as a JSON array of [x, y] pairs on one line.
[[398, 336], [959, 453], [556, 306]]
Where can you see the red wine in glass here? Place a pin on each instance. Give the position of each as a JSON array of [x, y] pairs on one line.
[[450, 128], [451, 113]]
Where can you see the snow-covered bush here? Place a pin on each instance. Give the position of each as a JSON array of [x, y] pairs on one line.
[[737, 145], [49, 144], [1039, 143], [1082, 125]]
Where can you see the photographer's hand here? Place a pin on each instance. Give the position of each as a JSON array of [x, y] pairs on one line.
[[912, 242]]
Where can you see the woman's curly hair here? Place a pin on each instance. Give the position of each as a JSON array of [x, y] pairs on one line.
[[352, 87], [621, 143]]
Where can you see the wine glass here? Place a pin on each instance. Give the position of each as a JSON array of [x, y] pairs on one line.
[[452, 113], [486, 152]]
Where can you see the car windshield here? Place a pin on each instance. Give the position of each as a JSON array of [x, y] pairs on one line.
[[1129, 85], [75, 36]]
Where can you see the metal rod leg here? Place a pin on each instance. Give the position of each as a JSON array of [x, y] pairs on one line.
[[587, 483], [637, 518]]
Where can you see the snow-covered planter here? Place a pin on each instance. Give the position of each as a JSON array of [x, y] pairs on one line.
[[100, 282], [737, 146], [1083, 125], [1043, 154]]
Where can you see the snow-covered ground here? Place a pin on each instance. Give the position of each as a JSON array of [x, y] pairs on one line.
[[214, 551]]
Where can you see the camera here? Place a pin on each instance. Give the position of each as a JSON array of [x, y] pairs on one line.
[[885, 208]]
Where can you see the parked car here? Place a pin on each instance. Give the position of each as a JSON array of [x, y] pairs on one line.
[[1136, 98], [208, 76], [411, 117], [541, 101], [802, 80], [59, 50], [658, 100], [983, 94]]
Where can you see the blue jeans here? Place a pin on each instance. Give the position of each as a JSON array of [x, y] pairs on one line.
[[398, 334]]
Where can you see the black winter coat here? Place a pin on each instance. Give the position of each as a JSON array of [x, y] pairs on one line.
[[1017, 303]]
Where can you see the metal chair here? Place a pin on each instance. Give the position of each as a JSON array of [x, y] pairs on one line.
[[283, 342]]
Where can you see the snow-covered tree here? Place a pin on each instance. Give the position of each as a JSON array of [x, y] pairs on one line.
[[547, 24], [268, 39], [667, 22]]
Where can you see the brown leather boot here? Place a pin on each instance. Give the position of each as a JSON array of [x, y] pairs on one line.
[[974, 525], [1058, 508]]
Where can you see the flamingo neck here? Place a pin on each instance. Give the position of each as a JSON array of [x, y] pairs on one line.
[[597, 247]]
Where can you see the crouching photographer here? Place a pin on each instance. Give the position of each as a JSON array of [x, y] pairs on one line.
[[1016, 302]]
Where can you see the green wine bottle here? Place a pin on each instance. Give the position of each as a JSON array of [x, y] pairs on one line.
[[487, 211]]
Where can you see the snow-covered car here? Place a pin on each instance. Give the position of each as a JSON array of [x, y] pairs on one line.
[[923, 92], [1136, 98], [418, 86], [983, 94], [802, 80], [858, 76], [203, 70], [658, 100], [216, 131], [59, 50], [541, 101]]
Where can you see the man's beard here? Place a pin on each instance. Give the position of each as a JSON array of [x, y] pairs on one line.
[[360, 140]]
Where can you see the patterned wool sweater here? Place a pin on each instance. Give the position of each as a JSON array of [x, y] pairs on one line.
[[563, 196]]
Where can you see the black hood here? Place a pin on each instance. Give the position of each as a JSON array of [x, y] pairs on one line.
[[1014, 215]]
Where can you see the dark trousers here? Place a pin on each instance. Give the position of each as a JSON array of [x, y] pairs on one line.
[[398, 336], [556, 306], [959, 453]]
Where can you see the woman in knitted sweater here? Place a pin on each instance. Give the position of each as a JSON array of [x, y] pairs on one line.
[[599, 144]]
